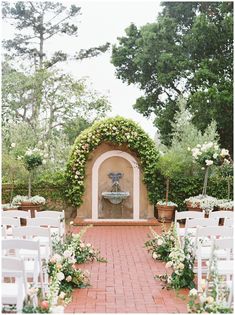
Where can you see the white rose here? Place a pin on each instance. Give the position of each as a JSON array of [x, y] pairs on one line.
[[209, 299], [159, 242], [169, 264], [62, 295], [224, 152], [181, 266], [155, 255], [60, 276], [209, 162], [67, 253], [192, 292]]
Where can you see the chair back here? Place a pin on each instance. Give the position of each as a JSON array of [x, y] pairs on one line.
[[9, 221], [201, 222], [181, 215], [44, 221], [14, 267], [50, 214], [16, 214]]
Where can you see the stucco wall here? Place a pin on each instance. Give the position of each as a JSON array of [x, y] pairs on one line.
[[113, 164]]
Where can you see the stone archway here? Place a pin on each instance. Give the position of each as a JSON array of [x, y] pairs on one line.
[[136, 181]]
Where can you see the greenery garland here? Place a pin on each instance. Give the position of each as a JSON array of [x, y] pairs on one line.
[[118, 131]]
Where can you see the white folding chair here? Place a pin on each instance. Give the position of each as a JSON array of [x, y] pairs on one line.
[[52, 223], [8, 223], [16, 214], [14, 293], [226, 215], [42, 234], [183, 215], [28, 250], [4, 233], [52, 214], [224, 267], [203, 243]]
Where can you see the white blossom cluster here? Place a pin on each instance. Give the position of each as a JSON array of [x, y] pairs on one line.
[[177, 257], [169, 203], [35, 200]]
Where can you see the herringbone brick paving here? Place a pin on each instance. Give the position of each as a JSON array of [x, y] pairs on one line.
[[125, 284]]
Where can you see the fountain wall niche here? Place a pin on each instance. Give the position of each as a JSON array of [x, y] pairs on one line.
[[135, 206], [115, 189], [116, 196]]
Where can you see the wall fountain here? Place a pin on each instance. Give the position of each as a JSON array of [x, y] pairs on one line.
[[115, 196]]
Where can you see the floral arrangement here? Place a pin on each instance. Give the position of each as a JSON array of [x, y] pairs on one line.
[[225, 204], [181, 260], [160, 246], [65, 276], [82, 252], [169, 203], [118, 131], [35, 200], [213, 297], [206, 155], [32, 158], [205, 202]]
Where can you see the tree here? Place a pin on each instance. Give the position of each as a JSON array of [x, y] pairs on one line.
[[37, 23], [64, 100], [189, 50]]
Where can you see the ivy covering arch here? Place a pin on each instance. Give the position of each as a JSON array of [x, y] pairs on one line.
[[118, 131]]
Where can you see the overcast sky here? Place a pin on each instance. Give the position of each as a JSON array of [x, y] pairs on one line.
[[101, 22]]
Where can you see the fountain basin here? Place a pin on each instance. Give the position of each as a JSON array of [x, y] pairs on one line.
[[115, 197]]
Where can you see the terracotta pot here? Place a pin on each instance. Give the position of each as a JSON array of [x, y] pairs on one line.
[[165, 213], [27, 205], [190, 208]]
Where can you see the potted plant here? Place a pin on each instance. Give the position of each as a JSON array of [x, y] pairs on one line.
[[169, 165], [206, 155], [32, 159]]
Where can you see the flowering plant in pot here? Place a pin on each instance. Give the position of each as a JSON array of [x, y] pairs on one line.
[[206, 155], [169, 165]]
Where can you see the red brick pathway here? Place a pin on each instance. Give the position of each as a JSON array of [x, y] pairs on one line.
[[125, 284]]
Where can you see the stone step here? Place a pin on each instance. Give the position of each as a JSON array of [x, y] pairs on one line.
[[149, 222]]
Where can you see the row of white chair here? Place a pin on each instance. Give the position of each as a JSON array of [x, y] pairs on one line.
[[53, 219]]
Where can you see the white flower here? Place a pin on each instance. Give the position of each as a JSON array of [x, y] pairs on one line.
[[209, 162], [159, 242], [19, 157], [88, 245], [62, 295], [189, 149], [193, 292], [155, 255], [44, 161], [46, 155], [181, 266], [60, 276], [68, 278], [203, 168], [224, 152], [209, 299], [169, 264], [71, 222], [13, 145], [215, 155], [56, 257], [39, 142], [67, 253]]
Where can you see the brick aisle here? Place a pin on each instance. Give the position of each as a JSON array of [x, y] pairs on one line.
[[125, 284]]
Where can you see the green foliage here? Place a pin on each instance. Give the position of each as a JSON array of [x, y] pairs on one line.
[[160, 246], [82, 252], [189, 49], [32, 161], [119, 131]]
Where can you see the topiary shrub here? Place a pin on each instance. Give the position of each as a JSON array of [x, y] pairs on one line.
[[118, 131]]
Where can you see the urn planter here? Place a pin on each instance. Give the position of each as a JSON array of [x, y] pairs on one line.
[[27, 205], [165, 213]]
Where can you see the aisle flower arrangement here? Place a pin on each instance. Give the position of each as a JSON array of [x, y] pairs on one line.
[[160, 246], [82, 252], [181, 261]]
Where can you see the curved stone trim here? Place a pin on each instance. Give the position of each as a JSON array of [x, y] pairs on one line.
[[136, 181]]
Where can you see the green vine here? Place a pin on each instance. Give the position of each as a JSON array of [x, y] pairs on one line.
[[118, 131]]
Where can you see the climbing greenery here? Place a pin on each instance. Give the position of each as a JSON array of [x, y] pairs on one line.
[[117, 131]]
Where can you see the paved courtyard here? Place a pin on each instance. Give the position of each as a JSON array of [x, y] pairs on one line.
[[125, 284]]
